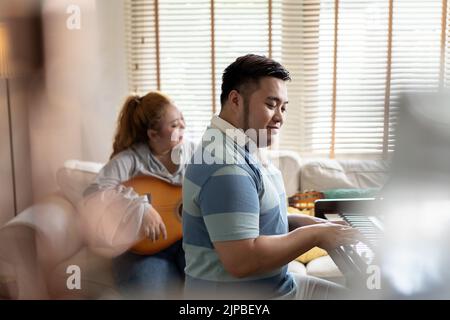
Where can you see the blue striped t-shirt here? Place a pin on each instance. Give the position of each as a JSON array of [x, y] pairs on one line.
[[229, 195]]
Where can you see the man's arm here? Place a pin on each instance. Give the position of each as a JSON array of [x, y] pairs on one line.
[[230, 209], [298, 220], [243, 258]]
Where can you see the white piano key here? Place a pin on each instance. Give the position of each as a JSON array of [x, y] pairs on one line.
[[333, 217], [376, 221]]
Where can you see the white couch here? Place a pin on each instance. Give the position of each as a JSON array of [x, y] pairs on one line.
[[50, 239], [326, 174]]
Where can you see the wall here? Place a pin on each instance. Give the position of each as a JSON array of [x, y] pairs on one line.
[[21, 44], [85, 84], [99, 121], [6, 194]]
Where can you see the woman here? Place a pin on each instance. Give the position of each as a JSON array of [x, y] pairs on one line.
[[148, 141]]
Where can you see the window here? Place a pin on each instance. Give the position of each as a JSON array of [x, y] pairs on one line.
[[349, 61], [182, 48]]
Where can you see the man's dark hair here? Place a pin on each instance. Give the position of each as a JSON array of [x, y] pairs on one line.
[[248, 70]]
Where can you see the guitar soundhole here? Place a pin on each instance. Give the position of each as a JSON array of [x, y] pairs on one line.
[[180, 210]]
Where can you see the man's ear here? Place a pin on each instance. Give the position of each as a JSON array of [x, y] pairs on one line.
[[236, 100]]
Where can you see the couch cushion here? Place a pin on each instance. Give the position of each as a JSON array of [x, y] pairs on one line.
[[289, 163], [56, 226], [96, 279], [75, 176], [8, 284], [323, 267], [350, 193], [297, 268], [311, 254], [346, 174]]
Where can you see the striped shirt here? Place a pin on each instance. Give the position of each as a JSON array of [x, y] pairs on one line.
[[230, 200]]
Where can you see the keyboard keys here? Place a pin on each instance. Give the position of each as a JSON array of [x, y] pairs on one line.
[[370, 231], [353, 260]]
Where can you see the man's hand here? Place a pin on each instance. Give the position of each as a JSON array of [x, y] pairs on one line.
[[341, 222], [300, 220], [152, 225], [333, 235]]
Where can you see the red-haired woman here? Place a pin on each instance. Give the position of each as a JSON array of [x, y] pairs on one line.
[[148, 141]]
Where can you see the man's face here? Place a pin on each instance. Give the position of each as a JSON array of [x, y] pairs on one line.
[[266, 108]]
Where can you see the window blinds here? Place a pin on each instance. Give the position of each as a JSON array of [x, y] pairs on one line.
[[349, 61], [182, 48]]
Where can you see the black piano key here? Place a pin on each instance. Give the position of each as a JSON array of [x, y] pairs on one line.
[[354, 259]]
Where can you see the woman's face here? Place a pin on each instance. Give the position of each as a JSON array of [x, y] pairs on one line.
[[171, 129]]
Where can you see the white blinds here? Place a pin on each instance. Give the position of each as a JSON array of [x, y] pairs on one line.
[[446, 76], [416, 48], [299, 45], [352, 59], [185, 58], [241, 27], [349, 61], [141, 49], [185, 44], [170, 50]]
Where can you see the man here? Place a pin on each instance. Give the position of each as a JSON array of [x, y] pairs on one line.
[[238, 239]]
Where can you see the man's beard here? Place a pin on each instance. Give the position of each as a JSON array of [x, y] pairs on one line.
[[246, 123], [254, 134]]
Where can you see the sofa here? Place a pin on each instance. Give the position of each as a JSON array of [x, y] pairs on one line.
[[42, 248]]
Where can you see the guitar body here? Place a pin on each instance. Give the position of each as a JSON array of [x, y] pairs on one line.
[[167, 200], [305, 200]]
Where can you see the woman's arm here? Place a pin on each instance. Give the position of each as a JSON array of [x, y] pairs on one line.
[[119, 169], [112, 214]]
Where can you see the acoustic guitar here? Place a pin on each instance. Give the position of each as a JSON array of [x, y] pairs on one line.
[[166, 198], [305, 200]]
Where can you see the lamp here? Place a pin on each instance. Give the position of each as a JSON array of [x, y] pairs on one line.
[[6, 73]]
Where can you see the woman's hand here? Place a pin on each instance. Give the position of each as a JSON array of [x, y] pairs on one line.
[[332, 235], [152, 225]]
